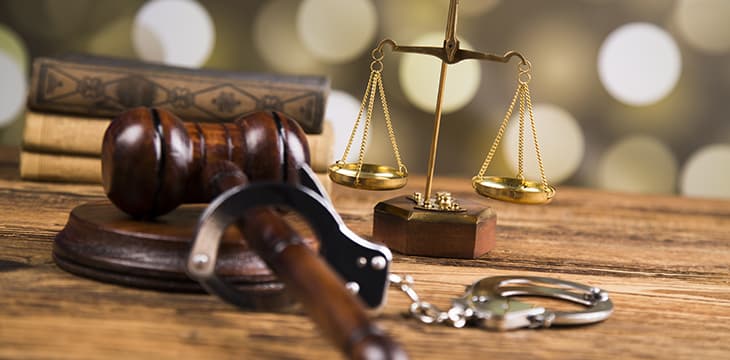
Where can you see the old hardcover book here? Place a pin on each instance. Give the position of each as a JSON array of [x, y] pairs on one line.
[[36, 166], [102, 87], [74, 135], [60, 168], [64, 134]]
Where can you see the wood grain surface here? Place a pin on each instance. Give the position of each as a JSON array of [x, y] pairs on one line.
[[664, 260]]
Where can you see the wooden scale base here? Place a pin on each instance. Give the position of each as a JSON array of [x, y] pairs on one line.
[[102, 243], [412, 231]]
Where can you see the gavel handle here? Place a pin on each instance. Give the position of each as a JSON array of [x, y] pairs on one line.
[[337, 312]]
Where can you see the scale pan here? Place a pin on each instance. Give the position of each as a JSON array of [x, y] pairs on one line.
[[513, 190], [369, 176]]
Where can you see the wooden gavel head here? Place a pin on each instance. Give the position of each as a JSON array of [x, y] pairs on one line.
[[152, 161]]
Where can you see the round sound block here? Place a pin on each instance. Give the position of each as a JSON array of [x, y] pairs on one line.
[[103, 243]]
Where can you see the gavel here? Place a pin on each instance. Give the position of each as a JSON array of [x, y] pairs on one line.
[[152, 162]]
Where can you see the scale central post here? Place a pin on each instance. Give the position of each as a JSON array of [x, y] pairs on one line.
[[447, 55], [451, 45]]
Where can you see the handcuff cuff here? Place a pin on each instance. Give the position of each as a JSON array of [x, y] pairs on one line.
[[488, 303]]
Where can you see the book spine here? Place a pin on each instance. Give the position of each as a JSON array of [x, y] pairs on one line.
[[92, 87], [81, 169], [59, 168], [62, 134], [73, 135]]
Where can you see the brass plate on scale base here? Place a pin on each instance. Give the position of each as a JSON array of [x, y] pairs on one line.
[[461, 234]]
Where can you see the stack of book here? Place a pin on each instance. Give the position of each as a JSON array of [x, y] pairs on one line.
[[73, 99]]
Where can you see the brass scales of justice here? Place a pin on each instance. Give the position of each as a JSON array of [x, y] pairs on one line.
[[422, 224]]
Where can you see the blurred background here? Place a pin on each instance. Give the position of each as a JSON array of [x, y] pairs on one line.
[[628, 95]]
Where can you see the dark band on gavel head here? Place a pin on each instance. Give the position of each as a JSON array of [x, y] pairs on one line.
[[283, 149], [161, 147], [152, 161]]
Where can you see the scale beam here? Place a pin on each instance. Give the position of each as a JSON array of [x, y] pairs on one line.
[[440, 53]]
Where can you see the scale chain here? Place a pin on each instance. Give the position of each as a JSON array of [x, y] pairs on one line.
[[543, 178], [374, 85], [500, 133], [521, 138], [357, 121], [525, 106], [368, 117], [389, 124], [357, 173]]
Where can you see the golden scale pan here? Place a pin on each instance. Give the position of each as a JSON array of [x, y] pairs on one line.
[[516, 189], [361, 175], [366, 176], [513, 190]]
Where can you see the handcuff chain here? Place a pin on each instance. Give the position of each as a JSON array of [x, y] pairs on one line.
[[424, 311]]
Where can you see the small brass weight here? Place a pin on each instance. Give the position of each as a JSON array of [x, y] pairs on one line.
[[422, 224]]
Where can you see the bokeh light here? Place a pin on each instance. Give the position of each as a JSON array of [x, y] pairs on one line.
[[476, 8], [62, 21], [12, 89], [13, 46], [675, 120], [638, 164], [679, 108], [113, 39], [337, 31], [13, 133], [645, 9], [639, 64], [174, 32], [407, 19], [562, 55], [404, 20], [419, 77], [707, 173], [66, 18], [559, 136], [704, 24], [275, 37]]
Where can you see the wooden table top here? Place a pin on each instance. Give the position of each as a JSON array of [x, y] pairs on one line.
[[664, 260]]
